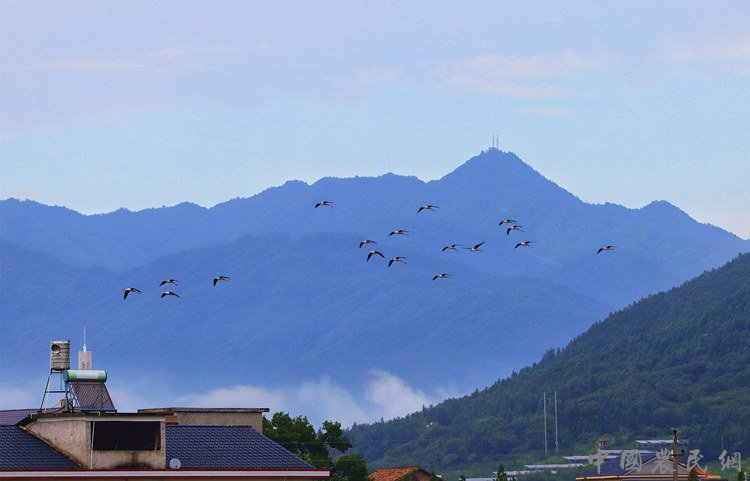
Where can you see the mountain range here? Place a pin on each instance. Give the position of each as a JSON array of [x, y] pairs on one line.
[[302, 300]]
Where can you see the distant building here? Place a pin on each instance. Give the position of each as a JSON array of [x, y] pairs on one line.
[[411, 473], [651, 469]]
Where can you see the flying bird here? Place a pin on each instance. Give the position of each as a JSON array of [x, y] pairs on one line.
[[169, 281], [169, 293], [129, 290], [428, 207], [326, 203], [451, 247], [523, 244], [441, 276], [366, 241], [514, 227], [399, 232], [375, 253], [507, 221], [605, 248], [475, 248], [220, 278], [396, 259]]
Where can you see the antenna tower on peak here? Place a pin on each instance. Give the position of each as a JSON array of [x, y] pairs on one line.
[[495, 142]]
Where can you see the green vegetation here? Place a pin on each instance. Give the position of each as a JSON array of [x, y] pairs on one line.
[[299, 437], [676, 359]]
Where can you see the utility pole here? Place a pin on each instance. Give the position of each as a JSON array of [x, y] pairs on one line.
[[544, 399], [556, 443], [674, 455]]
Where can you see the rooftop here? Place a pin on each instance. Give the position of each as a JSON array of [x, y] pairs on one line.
[[227, 447], [20, 450]]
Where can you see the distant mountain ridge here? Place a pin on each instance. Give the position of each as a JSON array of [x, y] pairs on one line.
[[300, 284]]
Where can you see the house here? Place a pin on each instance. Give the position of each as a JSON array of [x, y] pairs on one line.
[[83, 436], [411, 473], [152, 444]]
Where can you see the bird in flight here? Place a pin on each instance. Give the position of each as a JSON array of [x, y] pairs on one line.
[[451, 247], [441, 276], [375, 253], [523, 244], [507, 221], [129, 290], [514, 227], [169, 293], [169, 281], [220, 278], [475, 248], [366, 241], [326, 203], [396, 259], [605, 248], [399, 232], [428, 207]]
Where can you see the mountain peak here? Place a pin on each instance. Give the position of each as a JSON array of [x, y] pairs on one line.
[[504, 173]]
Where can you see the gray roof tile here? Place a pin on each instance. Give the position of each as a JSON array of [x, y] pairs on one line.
[[11, 417], [227, 447], [20, 450]]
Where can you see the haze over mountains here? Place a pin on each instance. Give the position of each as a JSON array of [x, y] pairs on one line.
[[302, 302]]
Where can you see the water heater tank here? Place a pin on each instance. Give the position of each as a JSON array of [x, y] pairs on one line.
[[59, 355]]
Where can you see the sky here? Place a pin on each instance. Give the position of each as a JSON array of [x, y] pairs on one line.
[[141, 104]]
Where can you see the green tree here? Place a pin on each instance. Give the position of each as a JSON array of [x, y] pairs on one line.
[[299, 436], [501, 474], [693, 475], [741, 476], [462, 477], [352, 467]]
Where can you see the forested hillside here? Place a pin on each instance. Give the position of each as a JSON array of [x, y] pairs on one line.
[[676, 359]]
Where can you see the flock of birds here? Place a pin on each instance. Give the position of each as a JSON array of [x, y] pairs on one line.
[[512, 225], [133, 290]]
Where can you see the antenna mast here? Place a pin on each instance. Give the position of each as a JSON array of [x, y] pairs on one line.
[[84, 357]]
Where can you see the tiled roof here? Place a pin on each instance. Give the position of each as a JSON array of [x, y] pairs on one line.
[[393, 474], [227, 447], [11, 417], [20, 450]]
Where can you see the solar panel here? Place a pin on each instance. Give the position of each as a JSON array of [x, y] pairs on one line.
[[91, 396]]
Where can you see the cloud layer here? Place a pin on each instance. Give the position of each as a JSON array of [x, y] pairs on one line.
[[384, 396]]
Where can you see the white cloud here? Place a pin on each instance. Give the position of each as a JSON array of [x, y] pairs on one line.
[[235, 396], [727, 54], [530, 76], [161, 60], [392, 396], [385, 395]]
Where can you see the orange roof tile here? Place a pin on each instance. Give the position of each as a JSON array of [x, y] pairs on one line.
[[393, 474]]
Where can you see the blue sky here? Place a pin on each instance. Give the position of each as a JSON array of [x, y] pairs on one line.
[[143, 104]]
